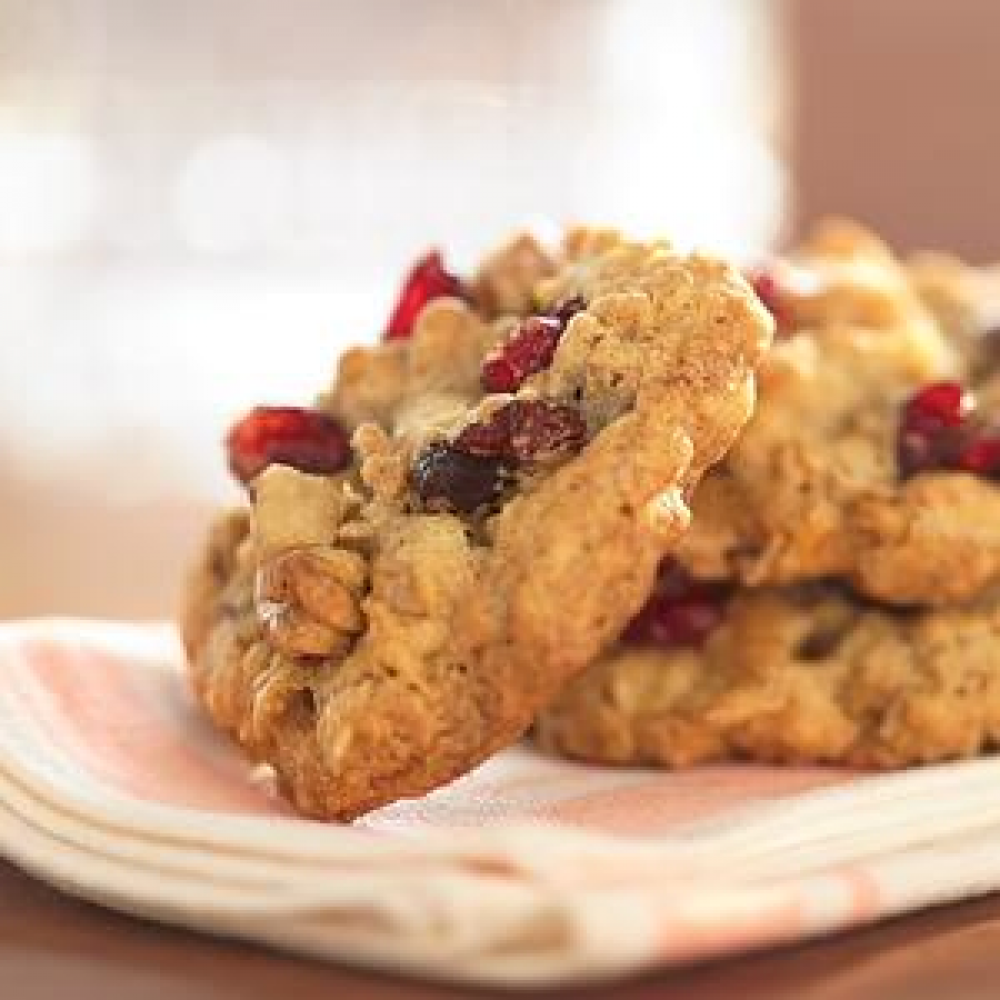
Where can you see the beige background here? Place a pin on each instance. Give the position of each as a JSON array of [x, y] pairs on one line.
[[896, 118], [194, 278]]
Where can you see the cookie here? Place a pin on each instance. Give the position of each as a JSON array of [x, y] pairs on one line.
[[965, 300], [866, 459], [374, 627], [807, 674]]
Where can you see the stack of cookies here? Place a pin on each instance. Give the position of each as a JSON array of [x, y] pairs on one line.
[[837, 599], [581, 493]]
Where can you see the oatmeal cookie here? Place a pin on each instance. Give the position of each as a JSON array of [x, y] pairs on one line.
[[865, 460], [378, 626], [966, 302], [807, 674]]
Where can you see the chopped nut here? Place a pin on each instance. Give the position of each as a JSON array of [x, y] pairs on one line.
[[294, 509], [309, 599]]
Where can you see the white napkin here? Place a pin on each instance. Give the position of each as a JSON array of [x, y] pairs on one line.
[[528, 871]]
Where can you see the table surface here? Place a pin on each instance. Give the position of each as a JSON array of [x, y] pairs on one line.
[[55, 947]]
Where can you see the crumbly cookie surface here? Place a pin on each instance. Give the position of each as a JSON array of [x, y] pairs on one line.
[[965, 300], [815, 487], [375, 633], [894, 663], [799, 675]]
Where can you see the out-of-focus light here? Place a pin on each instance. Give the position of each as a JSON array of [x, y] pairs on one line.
[[723, 188], [233, 194], [48, 190]]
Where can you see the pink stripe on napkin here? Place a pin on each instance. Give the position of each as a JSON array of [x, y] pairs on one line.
[[86, 699], [655, 806]]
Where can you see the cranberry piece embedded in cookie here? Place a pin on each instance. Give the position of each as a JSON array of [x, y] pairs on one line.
[[770, 292], [671, 622], [450, 480], [981, 456], [525, 430], [529, 349], [307, 440], [938, 405], [931, 428], [473, 471], [680, 612], [427, 280], [941, 430]]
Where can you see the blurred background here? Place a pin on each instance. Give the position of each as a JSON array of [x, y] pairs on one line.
[[202, 202]]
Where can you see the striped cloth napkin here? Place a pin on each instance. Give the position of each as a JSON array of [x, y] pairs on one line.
[[529, 871]]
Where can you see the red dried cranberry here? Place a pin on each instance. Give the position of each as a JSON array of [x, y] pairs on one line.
[[981, 456], [774, 298], [450, 480], [938, 405], [932, 429], [307, 440], [525, 430], [427, 280], [686, 622], [528, 349], [680, 612], [675, 582]]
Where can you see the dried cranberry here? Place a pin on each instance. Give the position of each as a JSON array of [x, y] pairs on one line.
[[681, 611], [774, 298], [476, 468], [427, 280], [674, 581], [938, 405], [981, 456], [307, 440], [528, 349], [932, 431], [525, 430], [685, 622], [448, 479]]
